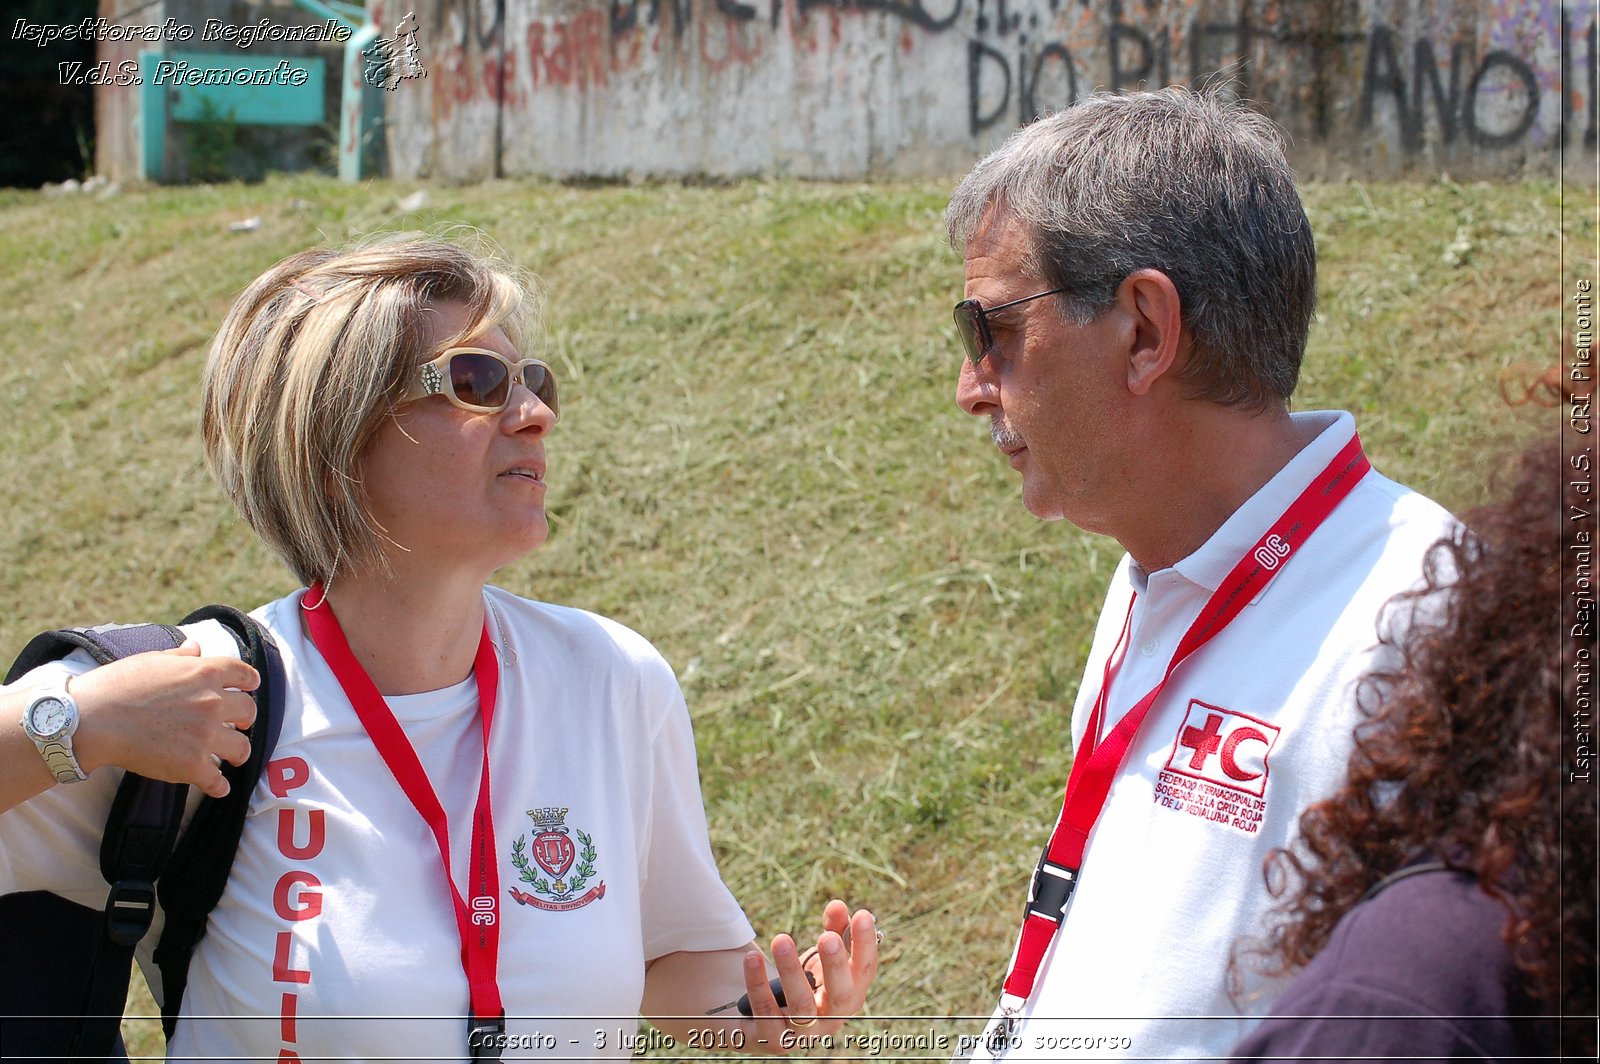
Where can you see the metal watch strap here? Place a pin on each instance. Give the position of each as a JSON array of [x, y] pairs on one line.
[[62, 763]]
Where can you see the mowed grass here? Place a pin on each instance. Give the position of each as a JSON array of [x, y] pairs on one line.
[[761, 468]]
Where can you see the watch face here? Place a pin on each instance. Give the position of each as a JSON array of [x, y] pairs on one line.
[[48, 716]]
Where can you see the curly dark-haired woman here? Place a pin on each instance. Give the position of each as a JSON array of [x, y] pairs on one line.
[[1442, 903]]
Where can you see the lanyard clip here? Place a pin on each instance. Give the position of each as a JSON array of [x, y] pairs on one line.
[[1003, 1035], [1050, 889], [486, 1038]]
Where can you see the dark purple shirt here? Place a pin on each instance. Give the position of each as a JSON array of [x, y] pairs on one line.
[[1418, 971]]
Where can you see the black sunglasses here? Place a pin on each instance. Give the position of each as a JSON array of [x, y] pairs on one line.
[[972, 323]]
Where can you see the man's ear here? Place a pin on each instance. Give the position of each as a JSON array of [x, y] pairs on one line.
[[1150, 300]]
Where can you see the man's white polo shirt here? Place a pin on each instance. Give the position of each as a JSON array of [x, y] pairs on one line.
[[1249, 731]]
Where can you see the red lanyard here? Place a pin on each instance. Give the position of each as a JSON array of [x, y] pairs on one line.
[[1096, 765], [478, 927]]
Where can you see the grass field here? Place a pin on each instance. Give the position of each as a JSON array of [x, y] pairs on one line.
[[761, 468]]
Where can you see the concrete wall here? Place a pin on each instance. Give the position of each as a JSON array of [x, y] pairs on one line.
[[851, 88], [117, 130]]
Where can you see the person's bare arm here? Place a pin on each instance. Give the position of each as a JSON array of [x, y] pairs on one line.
[[163, 715]]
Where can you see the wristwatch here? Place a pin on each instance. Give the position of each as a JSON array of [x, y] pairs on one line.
[[50, 721]]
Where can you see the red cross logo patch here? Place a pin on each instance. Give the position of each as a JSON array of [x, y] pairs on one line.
[[1218, 767], [1224, 747]]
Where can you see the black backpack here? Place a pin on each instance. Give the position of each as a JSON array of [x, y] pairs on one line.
[[58, 951]]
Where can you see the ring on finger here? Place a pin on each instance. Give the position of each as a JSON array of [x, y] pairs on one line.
[[802, 1023], [216, 760]]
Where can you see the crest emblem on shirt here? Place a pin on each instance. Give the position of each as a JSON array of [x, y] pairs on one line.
[[1218, 767], [554, 866]]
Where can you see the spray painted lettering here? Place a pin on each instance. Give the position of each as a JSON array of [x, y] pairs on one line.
[[1454, 79]]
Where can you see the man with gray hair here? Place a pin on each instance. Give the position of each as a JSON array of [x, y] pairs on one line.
[[1140, 280]]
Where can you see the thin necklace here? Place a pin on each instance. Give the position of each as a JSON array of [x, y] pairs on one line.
[[508, 656]]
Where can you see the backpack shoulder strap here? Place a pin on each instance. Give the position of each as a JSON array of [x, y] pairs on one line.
[[104, 645], [204, 856]]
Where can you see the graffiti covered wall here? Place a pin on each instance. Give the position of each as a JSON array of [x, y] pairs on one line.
[[851, 88]]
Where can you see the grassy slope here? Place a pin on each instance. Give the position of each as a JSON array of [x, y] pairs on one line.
[[760, 468]]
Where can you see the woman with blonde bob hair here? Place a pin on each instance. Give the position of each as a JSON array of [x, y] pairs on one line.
[[480, 830]]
